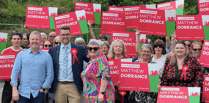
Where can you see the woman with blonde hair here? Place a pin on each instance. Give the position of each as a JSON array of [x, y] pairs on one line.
[[117, 50]]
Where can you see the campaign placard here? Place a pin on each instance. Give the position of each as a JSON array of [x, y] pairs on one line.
[[132, 72], [129, 39], [176, 6], [189, 27], [112, 22], [205, 22], [3, 41], [6, 65], [93, 11], [40, 17], [114, 66], [179, 95], [205, 93], [203, 6], [205, 54], [152, 22], [75, 20]]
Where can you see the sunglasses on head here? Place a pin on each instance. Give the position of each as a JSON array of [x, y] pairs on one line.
[[17, 32], [95, 48], [57, 42], [197, 49], [47, 45], [160, 46]]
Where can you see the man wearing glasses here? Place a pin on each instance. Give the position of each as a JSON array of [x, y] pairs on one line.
[[67, 82], [52, 35], [16, 39]]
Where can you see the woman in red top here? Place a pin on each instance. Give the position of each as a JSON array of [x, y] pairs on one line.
[[180, 62], [118, 51]]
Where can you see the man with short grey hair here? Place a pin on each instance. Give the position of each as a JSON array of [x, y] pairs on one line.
[[35, 68]]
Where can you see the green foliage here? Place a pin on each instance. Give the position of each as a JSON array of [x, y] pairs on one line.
[[14, 11]]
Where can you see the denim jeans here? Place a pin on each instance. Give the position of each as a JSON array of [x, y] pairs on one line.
[[38, 99]]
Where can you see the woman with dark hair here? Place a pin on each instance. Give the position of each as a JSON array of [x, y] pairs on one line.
[[47, 44], [158, 57], [181, 69]]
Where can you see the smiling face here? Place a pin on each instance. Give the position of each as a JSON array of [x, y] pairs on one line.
[[47, 44], [93, 49], [65, 36], [25, 40], [16, 40], [158, 49], [35, 41], [180, 50], [188, 44], [118, 48], [43, 39], [196, 50], [146, 53], [104, 49]]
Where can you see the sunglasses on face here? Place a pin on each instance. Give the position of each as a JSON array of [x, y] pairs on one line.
[[57, 42], [47, 45], [160, 46], [95, 48], [197, 49]]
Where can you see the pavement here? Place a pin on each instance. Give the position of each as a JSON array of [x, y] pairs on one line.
[[1, 88]]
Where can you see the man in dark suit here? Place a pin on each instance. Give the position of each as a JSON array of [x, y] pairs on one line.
[[67, 82]]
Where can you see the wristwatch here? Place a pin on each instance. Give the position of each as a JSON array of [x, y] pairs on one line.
[[102, 93]]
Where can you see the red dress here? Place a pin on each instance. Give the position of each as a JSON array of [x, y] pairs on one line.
[[172, 75]]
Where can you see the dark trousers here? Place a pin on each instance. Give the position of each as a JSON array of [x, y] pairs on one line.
[[7, 93], [38, 99]]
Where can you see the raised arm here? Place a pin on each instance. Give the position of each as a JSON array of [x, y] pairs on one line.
[[27, 31], [91, 30], [137, 42]]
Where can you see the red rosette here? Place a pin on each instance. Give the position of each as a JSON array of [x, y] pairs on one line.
[[74, 51], [184, 69]]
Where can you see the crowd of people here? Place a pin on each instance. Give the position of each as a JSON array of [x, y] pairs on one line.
[[71, 71]]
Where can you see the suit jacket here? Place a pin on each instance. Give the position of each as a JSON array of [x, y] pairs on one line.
[[76, 68]]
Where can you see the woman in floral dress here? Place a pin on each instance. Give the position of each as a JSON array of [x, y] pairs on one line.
[[98, 87]]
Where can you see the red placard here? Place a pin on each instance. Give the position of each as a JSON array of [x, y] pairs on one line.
[[205, 54], [45, 49], [131, 16], [129, 39], [167, 6], [112, 22], [114, 66], [203, 6], [37, 17], [88, 7], [6, 65], [132, 72], [189, 27], [205, 94], [152, 22], [115, 9], [68, 19], [169, 95]]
